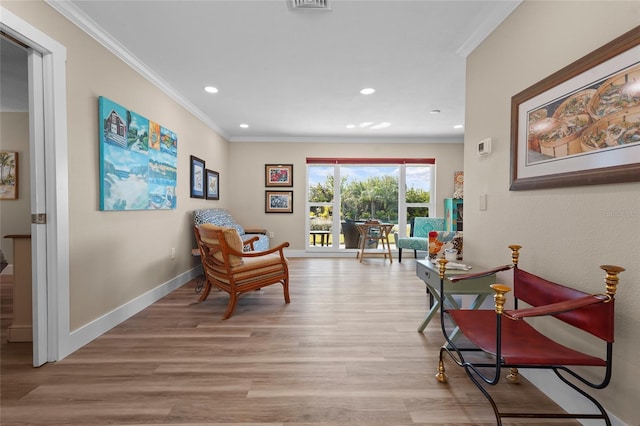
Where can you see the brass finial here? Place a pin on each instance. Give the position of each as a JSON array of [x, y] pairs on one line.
[[499, 298], [441, 267], [611, 280], [514, 253], [441, 376], [513, 376]]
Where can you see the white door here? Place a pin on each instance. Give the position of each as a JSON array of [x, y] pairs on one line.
[[48, 144], [38, 209]]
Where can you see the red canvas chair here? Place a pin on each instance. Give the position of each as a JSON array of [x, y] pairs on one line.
[[512, 343]]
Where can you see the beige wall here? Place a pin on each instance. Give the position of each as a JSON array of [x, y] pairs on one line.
[[567, 232], [15, 215], [117, 256], [247, 162]]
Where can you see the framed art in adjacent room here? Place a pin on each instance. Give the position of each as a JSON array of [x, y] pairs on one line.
[[278, 202], [581, 125], [9, 175], [197, 177], [278, 175], [213, 185]]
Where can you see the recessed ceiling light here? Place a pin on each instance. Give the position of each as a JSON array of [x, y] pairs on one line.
[[434, 111], [366, 123], [381, 125], [244, 125], [350, 126], [367, 91], [458, 126], [211, 89]]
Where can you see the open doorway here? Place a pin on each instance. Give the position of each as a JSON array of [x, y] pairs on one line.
[[48, 199], [15, 202]]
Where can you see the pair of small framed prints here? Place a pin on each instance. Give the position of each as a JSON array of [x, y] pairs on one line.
[[278, 175], [205, 183]]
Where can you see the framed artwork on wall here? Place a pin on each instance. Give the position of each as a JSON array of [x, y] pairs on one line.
[[197, 178], [138, 160], [213, 185], [581, 125], [8, 175], [278, 202], [278, 175]]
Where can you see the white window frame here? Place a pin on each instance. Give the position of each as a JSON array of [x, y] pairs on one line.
[[335, 204]]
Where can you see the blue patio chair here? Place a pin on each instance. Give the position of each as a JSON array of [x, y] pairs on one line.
[[418, 238]]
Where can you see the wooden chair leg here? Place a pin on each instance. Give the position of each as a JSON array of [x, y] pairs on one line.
[[205, 291], [285, 285], [233, 300]]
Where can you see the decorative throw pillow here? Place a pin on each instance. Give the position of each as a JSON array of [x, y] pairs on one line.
[[233, 240], [439, 241], [218, 217]]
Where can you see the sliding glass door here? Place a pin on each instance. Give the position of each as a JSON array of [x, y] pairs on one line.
[[343, 192]]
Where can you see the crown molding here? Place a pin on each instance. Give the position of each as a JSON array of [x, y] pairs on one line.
[[486, 28], [337, 139]]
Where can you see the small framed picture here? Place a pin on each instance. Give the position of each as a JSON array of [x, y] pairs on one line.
[[9, 175], [213, 185], [278, 201], [197, 177], [278, 175]]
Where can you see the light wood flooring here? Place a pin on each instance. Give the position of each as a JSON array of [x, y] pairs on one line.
[[344, 352]]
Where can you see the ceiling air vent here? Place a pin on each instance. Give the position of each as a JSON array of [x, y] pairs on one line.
[[310, 4]]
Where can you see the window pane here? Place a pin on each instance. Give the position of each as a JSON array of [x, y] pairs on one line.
[[418, 184], [362, 191], [369, 192], [417, 212], [320, 184], [321, 225]]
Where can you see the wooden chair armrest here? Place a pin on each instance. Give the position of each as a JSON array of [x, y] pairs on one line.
[[250, 242], [557, 308], [259, 253], [457, 278], [255, 231]]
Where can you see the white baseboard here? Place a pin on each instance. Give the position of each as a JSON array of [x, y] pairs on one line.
[[85, 334], [571, 401], [339, 254]]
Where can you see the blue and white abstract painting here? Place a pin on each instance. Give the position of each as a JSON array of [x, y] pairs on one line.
[[138, 161]]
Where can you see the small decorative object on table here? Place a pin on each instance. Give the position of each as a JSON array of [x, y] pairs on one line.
[[457, 245], [439, 241]]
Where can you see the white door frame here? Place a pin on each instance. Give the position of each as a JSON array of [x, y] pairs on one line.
[[48, 142]]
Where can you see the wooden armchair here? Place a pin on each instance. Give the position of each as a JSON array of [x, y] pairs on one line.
[[236, 272], [512, 343]]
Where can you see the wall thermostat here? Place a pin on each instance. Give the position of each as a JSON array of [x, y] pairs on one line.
[[484, 147]]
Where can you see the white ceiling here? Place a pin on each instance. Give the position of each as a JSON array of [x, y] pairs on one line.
[[296, 74]]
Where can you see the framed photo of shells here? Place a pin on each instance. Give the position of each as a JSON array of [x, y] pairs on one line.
[[581, 125]]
